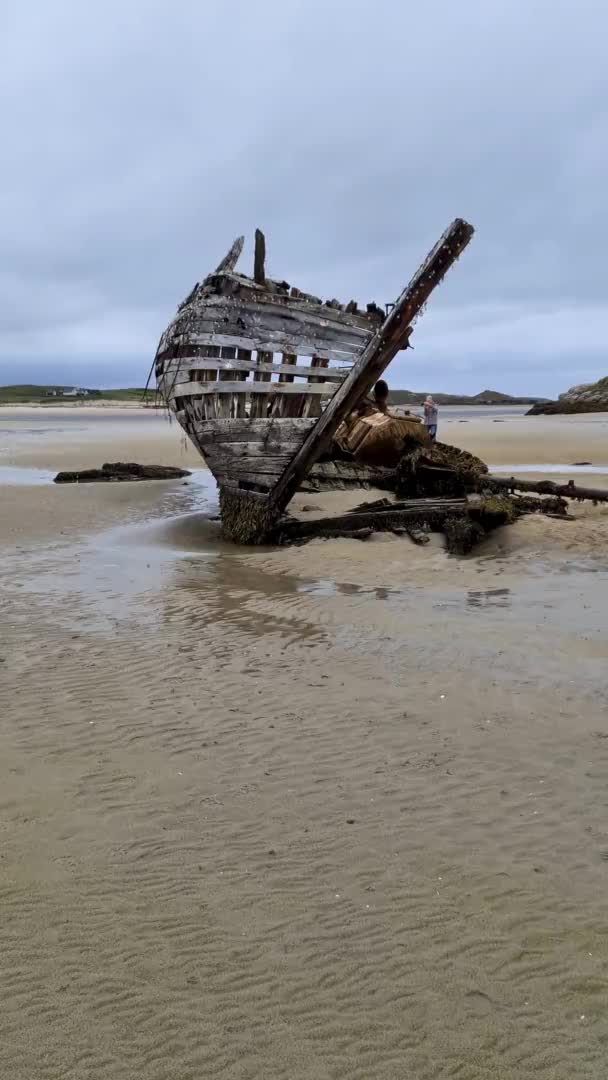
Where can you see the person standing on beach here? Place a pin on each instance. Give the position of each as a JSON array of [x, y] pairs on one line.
[[431, 415]]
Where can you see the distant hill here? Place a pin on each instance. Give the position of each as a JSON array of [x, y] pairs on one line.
[[29, 393], [486, 397]]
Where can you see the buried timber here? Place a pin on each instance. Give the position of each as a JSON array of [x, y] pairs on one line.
[[272, 384]]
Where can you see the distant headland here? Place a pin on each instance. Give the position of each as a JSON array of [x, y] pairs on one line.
[[585, 398]]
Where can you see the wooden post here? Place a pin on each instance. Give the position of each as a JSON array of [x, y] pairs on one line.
[[224, 401], [259, 402], [392, 336], [209, 407], [240, 400], [259, 258], [284, 404], [312, 404]]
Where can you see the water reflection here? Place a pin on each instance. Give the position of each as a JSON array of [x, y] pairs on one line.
[[12, 475]]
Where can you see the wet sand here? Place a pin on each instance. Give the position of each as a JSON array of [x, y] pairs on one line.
[[331, 811]]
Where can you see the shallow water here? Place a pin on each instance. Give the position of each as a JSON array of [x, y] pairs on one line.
[[517, 470], [22, 476]]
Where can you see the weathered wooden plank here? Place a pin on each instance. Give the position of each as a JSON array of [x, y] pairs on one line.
[[247, 452], [336, 352], [347, 470], [263, 472], [271, 466], [199, 363], [269, 305], [261, 322], [233, 486], [295, 428], [194, 389], [245, 319], [392, 336], [254, 450], [311, 341]]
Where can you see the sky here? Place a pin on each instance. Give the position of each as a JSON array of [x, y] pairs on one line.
[[141, 138]]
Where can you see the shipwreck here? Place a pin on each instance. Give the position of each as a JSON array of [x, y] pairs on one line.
[[261, 376]]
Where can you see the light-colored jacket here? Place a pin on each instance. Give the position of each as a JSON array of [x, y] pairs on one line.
[[431, 413]]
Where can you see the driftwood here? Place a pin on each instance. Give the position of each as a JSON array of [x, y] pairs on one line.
[[121, 471], [547, 487]]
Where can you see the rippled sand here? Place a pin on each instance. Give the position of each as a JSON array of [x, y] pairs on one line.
[[336, 811]]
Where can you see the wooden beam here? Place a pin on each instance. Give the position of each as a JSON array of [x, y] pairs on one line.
[[288, 371], [392, 336], [261, 386], [230, 260], [247, 430]]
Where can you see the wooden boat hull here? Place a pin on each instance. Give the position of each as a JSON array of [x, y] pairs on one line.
[[260, 375], [247, 366]]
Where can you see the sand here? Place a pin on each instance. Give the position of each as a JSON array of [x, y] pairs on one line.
[[336, 811], [506, 438]]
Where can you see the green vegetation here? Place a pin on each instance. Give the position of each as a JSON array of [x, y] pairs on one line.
[[28, 393]]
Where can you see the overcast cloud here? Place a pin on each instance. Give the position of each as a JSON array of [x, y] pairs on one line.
[[140, 138]]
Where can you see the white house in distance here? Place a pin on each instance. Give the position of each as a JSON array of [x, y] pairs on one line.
[[68, 391]]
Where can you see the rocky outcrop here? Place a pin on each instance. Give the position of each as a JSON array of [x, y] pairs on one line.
[[588, 397], [120, 470]]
